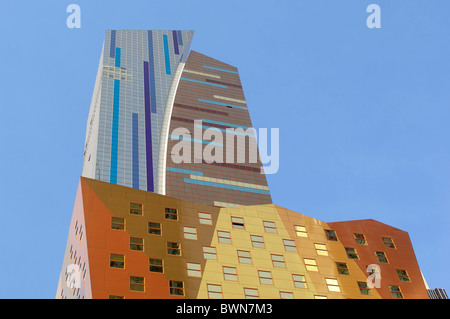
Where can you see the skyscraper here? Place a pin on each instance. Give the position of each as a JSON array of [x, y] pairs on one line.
[[147, 224]]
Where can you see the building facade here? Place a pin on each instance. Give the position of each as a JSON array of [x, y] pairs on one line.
[[166, 208]]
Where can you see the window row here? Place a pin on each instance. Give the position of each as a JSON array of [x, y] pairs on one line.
[[360, 239]]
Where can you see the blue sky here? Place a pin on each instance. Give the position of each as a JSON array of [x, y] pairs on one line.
[[363, 113]]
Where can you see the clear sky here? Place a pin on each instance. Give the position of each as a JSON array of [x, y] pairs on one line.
[[363, 113]]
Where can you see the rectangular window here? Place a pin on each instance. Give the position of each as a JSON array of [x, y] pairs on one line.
[[230, 273], [381, 257], [209, 253], [176, 288], [257, 241], [388, 242], [171, 213], [251, 293], [321, 249], [299, 281], [154, 228], [320, 297], [205, 218], [194, 270], [402, 275], [333, 285], [330, 234], [116, 261], [360, 239], [363, 288], [214, 291], [224, 237], [116, 297], [237, 222], [269, 227], [136, 209], [136, 243], [190, 233], [244, 257], [286, 295], [310, 264], [351, 253], [342, 268], [289, 245], [300, 231], [396, 292], [173, 248], [118, 223], [265, 277], [137, 283], [278, 261], [156, 265]]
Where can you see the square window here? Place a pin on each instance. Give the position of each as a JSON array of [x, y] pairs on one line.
[[209, 253], [251, 293], [117, 261], [154, 228], [388, 242], [300, 231], [265, 277], [190, 233], [396, 292], [286, 295], [299, 281], [137, 283], [173, 248], [156, 265], [289, 245], [342, 268], [321, 249], [136, 243], [310, 264], [402, 275], [269, 227], [193, 270], [351, 253], [381, 257], [333, 285], [244, 257], [363, 288], [176, 288], [360, 239], [278, 261], [331, 235], [230, 273], [257, 241], [237, 222], [136, 209], [224, 237], [214, 291], [171, 213], [118, 223], [205, 218]]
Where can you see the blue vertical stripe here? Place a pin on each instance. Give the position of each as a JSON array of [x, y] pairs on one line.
[[151, 66], [148, 130], [112, 44], [166, 54], [115, 133], [117, 63], [180, 37], [135, 151]]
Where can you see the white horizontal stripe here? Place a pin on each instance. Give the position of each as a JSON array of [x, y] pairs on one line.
[[201, 73], [229, 99], [228, 182]]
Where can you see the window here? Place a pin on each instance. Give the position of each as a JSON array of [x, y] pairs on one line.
[[388, 242], [116, 261], [402, 275], [251, 293], [289, 245], [205, 218], [230, 273], [156, 265], [224, 237], [154, 228], [116, 297], [118, 223], [137, 283], [278, 261], [171, 213], [299, 281], [321, 249], [265, 277], [330, 234], [351, 253], [237, 222], [257, 241], [176, 288], [209, 253], [190, 233], [342, 268], [173, 248], [381, 257], [333, 285], [244, 257], [396, 292], [363, 288], [193, 270], [300, 231], [360, 239], [214, 291], [320, 297], [286, 295], [269, 227], [136, 243], [136, 209], [310, 264]]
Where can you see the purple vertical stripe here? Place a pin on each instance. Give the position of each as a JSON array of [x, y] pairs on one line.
[[148, 129], [112, 44], [175, 42]]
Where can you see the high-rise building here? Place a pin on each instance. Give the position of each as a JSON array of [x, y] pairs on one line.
[[156, 217]]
